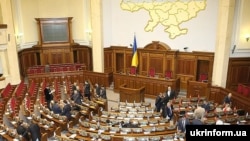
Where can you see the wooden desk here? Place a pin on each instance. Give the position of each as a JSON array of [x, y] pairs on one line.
[[131, 95], [153, 86]]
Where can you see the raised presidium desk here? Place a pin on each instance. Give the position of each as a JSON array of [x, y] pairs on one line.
[[153, 85]]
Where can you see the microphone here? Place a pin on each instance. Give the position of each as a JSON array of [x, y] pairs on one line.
[[131, 45]]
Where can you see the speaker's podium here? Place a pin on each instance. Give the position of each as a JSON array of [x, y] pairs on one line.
[[131, 94]]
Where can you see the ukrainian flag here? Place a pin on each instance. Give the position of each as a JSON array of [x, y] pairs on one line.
[[135, 54]]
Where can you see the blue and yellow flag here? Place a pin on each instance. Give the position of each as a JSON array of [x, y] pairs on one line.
[[135, 54]]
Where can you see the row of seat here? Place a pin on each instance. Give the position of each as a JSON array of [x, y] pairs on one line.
[[55, 68]]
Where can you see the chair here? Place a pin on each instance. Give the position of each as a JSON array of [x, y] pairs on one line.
[[240, 89], [151, 72], [203, 78], [168, 74], [133, 70], [246, 91]]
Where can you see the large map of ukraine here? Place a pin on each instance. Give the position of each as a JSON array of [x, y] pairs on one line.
[[169, 13]]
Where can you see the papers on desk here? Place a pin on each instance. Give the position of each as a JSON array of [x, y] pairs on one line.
[[243, 121], [52, 91], [2, 132], [112, 132], [29, 118], [49, 116], [123, 133], [119, 117], [104, 116], [72, 136], [146, 132], [181, 139], [92, 129], [13, 122], [46, 126]]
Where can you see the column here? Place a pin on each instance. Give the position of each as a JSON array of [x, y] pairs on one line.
[[10, 55], [97, 38], [223, 43]]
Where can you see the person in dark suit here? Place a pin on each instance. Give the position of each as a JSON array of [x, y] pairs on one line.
[[66, 110], [227, 99], [168, 112], [34, 131], [77, 97], [87, 90], [182, 122], [103, 93], [55, 107], [206, 106], [169, 95], [199, 113], [48, 96], [23, 131], [97, 89], [158, 102], [74, 86]]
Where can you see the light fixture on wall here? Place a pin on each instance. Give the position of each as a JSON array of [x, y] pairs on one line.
[[247, 38]]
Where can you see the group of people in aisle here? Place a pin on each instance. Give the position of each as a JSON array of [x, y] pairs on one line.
[[163, 103], [29, 132], [77, 97]]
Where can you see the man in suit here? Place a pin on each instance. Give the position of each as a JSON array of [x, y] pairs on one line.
[[23, 131], [77, 97], [168, 112], [66, 110], [103, 92], [169, 95], [182, 122], [227, 99], [55, 107], [206, 106], [48, 96], [97, 89], [199, 113], [87, 90], [34, 131], [74, 86], [158, 102]]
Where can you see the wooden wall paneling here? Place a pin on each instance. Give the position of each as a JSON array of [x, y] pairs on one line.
[[195, 89], [185, 68], [108, 60], [156, 62], [128, 61], [238, 72], [67, 57], [204, 64], [119, 56], [144, 64]]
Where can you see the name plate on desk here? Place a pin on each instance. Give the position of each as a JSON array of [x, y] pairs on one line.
[[112, 132], [123, 133], [92, 129]]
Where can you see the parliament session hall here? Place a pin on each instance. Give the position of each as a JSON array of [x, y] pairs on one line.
[[123, 70]]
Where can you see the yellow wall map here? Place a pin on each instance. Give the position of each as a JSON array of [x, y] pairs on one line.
[[169, 13]]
